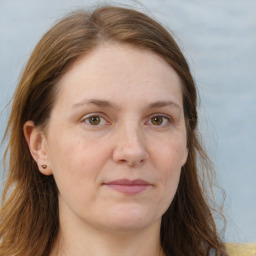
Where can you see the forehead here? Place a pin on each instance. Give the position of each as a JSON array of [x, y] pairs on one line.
[[119, 71]]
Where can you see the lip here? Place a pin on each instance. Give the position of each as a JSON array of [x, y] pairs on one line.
[[129, 187]]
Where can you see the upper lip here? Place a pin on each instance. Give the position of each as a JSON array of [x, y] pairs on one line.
[[128, 182]]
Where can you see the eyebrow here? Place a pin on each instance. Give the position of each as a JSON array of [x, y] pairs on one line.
[[97, 102], [108, 104], [161, 104]]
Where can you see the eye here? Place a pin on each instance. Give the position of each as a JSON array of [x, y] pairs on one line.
[[159, 120], [95, 120]]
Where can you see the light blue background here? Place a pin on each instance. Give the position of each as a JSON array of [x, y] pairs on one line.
[[219, 40]]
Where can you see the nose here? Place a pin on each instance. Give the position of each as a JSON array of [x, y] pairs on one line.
[[130, 148]]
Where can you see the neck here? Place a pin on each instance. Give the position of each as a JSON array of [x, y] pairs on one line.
[[82, 240]]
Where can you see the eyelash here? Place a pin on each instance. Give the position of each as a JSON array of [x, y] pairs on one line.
[[87, 118], [165, 119]]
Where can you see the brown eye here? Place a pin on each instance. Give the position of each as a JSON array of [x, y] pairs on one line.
[[94, 120], [157, 120]]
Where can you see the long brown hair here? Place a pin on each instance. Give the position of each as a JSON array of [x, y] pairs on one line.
[[29, 214]]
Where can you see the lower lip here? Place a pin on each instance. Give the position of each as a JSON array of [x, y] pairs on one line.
[[128, 189]]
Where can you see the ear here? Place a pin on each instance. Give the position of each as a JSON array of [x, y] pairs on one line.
[[38, 146]]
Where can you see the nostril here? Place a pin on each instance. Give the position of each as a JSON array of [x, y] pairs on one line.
[[131, 163]]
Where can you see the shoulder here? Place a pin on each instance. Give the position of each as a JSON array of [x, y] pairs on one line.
[[236, 249]]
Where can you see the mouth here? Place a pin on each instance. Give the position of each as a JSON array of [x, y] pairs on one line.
[[129, 187]]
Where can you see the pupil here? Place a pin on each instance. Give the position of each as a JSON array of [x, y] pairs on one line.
[[94, 120], [157, 120]]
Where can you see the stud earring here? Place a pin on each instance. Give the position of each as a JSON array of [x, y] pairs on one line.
[[130, 164], [44, 166]]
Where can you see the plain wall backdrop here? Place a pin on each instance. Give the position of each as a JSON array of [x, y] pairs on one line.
[[219, 40]]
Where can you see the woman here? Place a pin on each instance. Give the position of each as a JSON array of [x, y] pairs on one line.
[[103, 149]]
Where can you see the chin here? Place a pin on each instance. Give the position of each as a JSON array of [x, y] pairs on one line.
[[130, 220]]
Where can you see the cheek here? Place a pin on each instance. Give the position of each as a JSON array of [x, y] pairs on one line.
[[170, 153], [168, 158], [76, 160], [169, 175]]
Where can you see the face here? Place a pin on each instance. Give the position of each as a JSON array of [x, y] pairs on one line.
[[116, 139]]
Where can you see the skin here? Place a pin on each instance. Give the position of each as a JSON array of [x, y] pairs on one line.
[[138, 132]]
